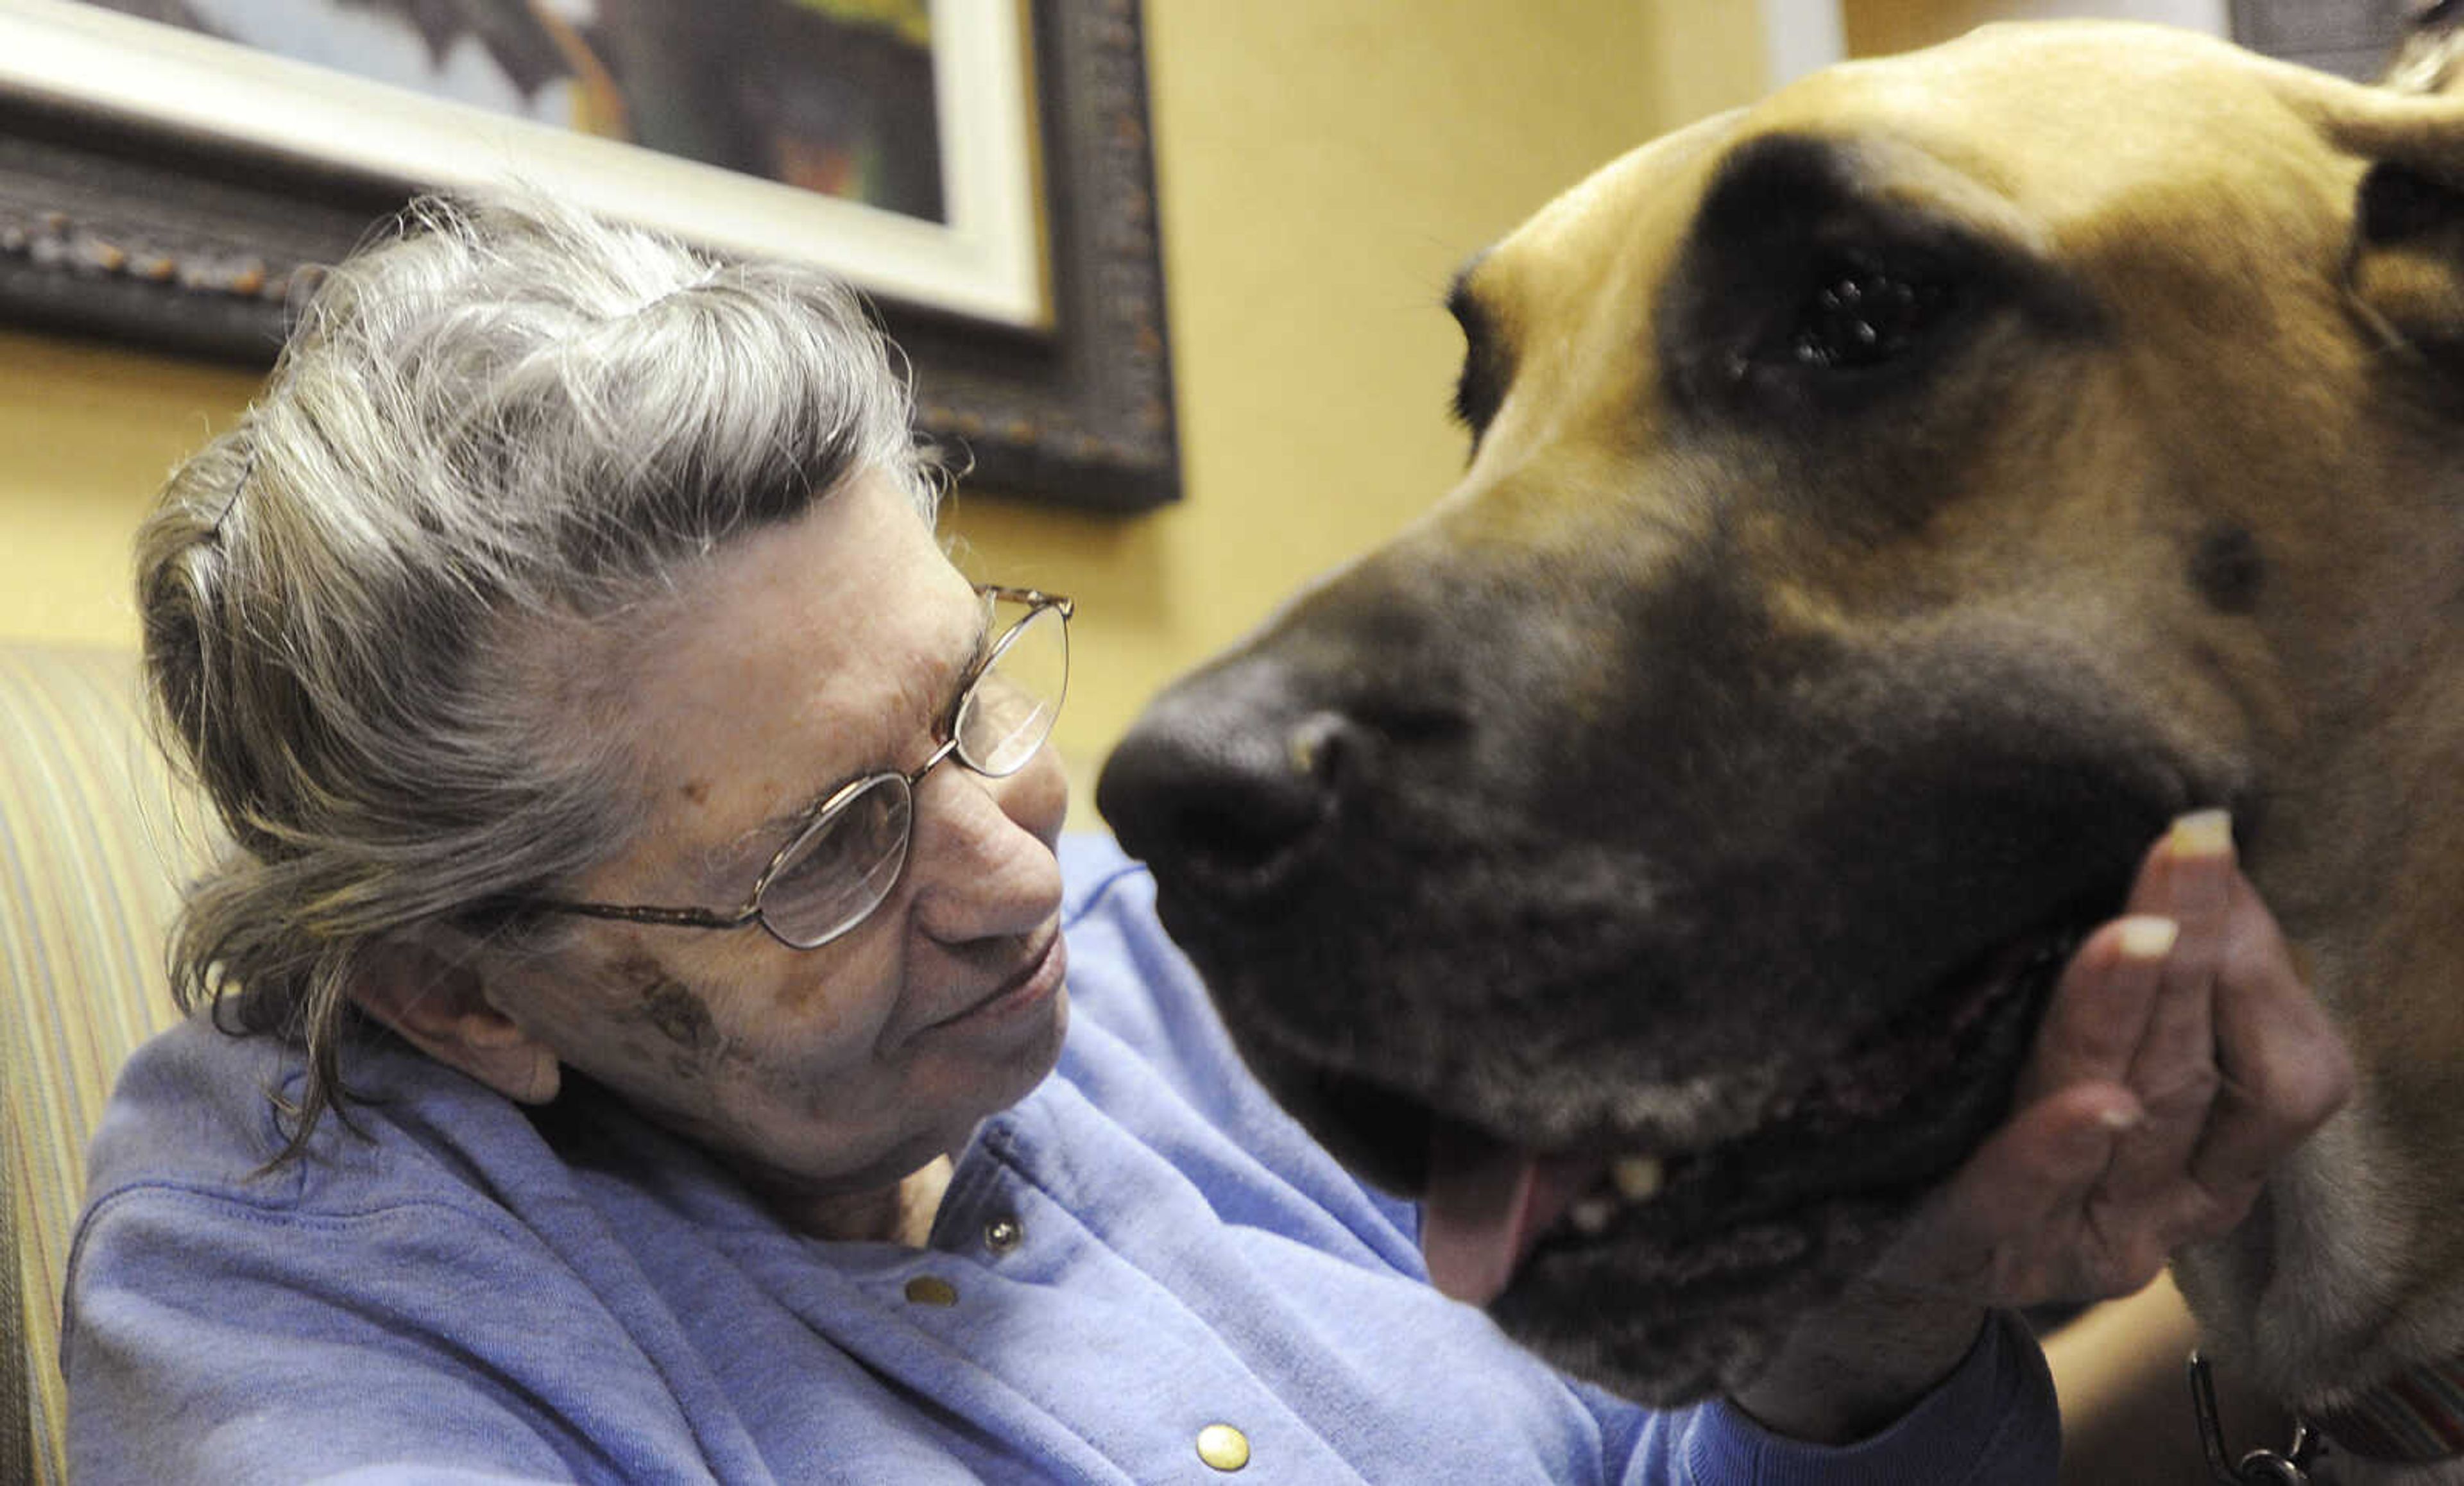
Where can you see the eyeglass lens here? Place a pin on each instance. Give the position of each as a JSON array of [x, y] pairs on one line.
[[845, 862], [1008, 713]]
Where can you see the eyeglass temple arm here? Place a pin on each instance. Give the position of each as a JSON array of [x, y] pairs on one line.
[[686, 918]]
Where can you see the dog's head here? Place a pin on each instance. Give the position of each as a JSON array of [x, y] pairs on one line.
[[1887, 506]]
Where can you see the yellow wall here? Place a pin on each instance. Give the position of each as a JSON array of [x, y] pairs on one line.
[[86, 433], [1324, 164], [1877, 28]]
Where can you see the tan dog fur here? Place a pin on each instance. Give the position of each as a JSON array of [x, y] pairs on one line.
[[2212, 208], [2257, 363]]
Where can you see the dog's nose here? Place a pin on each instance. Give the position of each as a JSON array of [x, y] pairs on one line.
[[1225, 785]]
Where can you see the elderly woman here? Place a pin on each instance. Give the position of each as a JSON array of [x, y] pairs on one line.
[[633, 1041]]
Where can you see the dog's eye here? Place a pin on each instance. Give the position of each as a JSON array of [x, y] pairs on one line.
[[1861, 314]]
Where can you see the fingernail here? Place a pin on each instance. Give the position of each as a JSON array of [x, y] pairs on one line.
[[2120, 1120], [2204, 833], [2145, 936]]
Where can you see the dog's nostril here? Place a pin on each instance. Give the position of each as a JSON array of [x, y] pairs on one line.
[[1322, 749]]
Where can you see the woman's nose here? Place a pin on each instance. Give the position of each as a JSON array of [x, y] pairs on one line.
[[982, 860]]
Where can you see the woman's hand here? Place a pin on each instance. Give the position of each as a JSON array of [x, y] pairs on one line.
[[2180, 1058]]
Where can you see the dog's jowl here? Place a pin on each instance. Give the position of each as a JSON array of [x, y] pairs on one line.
[[1888, 506]]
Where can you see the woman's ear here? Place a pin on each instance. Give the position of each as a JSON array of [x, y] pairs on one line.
[[435, 999]]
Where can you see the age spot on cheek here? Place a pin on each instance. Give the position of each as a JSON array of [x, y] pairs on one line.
[[669, 1006], [680, 1017]]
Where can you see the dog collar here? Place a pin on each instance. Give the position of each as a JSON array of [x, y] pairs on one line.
[[2415, 1417], [2258, 1467]]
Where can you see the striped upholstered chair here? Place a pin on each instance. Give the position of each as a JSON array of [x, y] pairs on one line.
[[92, 851]]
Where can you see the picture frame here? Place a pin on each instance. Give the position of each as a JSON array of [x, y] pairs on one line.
[[189, 226]]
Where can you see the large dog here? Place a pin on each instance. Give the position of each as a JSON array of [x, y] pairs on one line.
[[1888, 506]]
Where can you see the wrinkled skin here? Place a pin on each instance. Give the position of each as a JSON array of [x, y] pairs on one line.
[[1717, 771]]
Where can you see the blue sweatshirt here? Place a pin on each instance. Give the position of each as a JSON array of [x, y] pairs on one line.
[[1141, 1251]]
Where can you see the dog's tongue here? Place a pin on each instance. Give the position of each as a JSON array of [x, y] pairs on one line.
[[1487, 1203]]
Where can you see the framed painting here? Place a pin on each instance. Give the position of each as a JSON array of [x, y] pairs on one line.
[[172, 172]]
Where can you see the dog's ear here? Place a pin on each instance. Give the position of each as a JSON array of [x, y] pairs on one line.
[[2406, 268], [2430, 57], [2406, 264]]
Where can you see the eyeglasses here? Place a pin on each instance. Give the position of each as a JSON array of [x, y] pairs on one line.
[[847, 853]]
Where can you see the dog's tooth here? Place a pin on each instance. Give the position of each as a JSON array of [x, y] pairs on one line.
[[1591, 1216], [1638, 1178]]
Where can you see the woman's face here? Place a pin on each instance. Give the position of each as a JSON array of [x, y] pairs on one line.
[[804, 657]]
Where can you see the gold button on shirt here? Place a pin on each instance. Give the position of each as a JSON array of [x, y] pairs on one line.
[[928, 1290], [1223, 1447]]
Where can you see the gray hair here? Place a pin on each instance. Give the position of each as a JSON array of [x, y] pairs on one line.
[[501, 424]]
